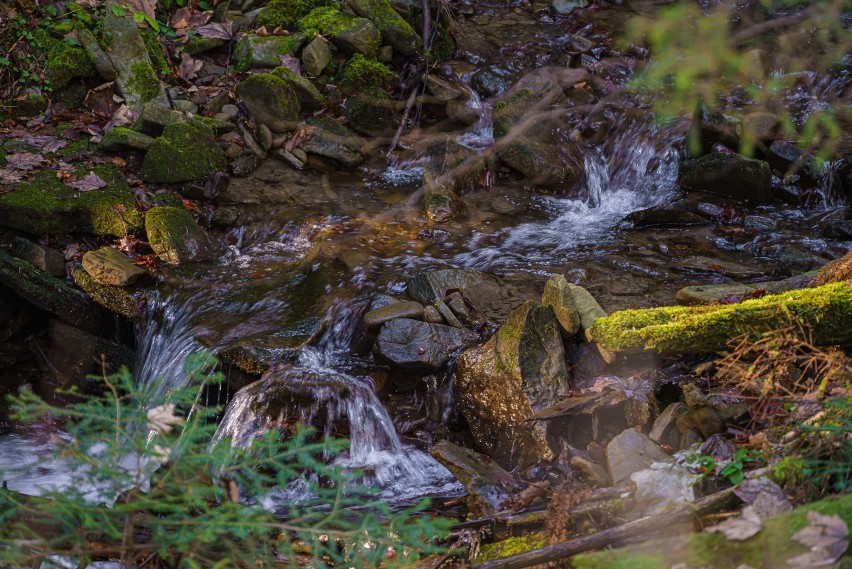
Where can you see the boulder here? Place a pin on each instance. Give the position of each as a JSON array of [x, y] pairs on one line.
[[374, 319], [361, 72], [316, 56], [46, 205], [413, 344], [254, 51], [270, 100], [760, 126], [461, 112], [731, 175], [287, 13], [371, 112], [663, 216], [45, 258], [350, 33], [630, 452], [134, 73], [395, 31], [453, 167], [184, 153], [328, 138], [501, 384], [109, 266], [120, 139], [490, 489], [174, 236], [558, 296], [126, 302], [154, 119], [309, 97], [445, 90]]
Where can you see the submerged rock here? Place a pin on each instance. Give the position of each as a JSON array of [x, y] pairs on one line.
[[328, 138], [730, 175], [108, 266], [407, 343], [501, 384], [174, 236], [185, 152]]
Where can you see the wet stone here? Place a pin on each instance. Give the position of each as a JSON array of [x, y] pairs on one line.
[[664, 431], [109, 266], [374, 319], [48, 260], [730, 175], [558, 296], [412, 344]]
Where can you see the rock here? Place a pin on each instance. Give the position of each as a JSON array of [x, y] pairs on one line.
[[50, 294], [48, 260], [501, 384], [591, 472], [587, 307], [361, 72], [185, 106], [412, 344], [121, 138], [433, 285], [198, 44], [730, 175], [630, 452], [154, 119], [663, 485], [99, 58], [286, 13], [74, 354], [185, 152], [370, 112], [460, 112], [453, 168], [309, 97], [445, 90], [271, 100], [114, 298], [664, 431], [737, 292], [245, 165], [330, 139], [350, 33], [558, 296], [396, 32], [760, 125], [174, 236], [134, 73], [288, 158], [490, 489], [431, 314], [492, 80], [254, 51], [565, 7], [663, 216], [109, 266], [46, 205], [62, 61], [704, 421], [838, 270], [374, 319], [316, 56], [442, 205]]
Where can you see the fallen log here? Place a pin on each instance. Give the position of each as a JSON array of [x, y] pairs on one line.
[[667, 521], [826, 310]]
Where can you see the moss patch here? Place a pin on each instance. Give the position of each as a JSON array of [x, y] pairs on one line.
[[174, 236], [703, 329], [511, 546], [286, 13], [265, 51], [46, 205], [115, 298], [34, 104], [155, 51], [512, 109], [63, 61], [361, 72], [144, 82], [185, 152]]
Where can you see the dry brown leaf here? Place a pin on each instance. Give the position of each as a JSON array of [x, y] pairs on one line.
[[188, 68], [739, 529], [101, 100], [46, 143], [122, 116], [221, 30], [25, 160], [90, 181], [147, 7], [10, 176], [828, 538], [163, 419]]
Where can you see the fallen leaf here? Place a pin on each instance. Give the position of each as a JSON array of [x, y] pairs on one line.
[[827, 537], [188, 68], [764, 495], [10, 176], [46, 143], [162, 418], [221, 30], [90, 181], [25, 160], [101, 100], [122, 116], [745, 526], [147, 7], [186, 17]]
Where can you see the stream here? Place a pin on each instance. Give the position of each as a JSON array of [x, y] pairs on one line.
[[303, 254]]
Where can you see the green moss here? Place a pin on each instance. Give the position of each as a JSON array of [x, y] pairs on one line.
[[75, 147], [34, 104], [286, 13], [265, 51], [63, 61], [174, 236], [361, 72], [703, 329], [80, 14], [115, 298], [394, 29], [144, 81], [772, 547], [198, 44], [155, 52], [789, 472], [325, 20], [511, 546], [47, 205], [185, 152]]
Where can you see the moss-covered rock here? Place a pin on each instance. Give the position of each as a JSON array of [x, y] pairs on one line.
[[174, 236], [254, 51], [122, 138], [705, 329], [286, 13], [63, 61], [155, 52], [773, 546], [185, 152], [31, 105], [114, 298], [361, 72], [199, 44], [96, 53], [309, 97], [330, 139], [371, 112], [510, 110], [46, 205], [271, 100], [316, 56], [350, 33], [396, 32], [730, 175], [442, 204]]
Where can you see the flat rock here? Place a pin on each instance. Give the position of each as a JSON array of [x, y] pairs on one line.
[[175, 237], [374, 319], [328, 138], [109, 266], [412, 344], [126, 302], [134, 73], [630, 452]]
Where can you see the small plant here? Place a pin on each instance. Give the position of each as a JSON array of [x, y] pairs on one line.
[[181, 502], [734, 471]]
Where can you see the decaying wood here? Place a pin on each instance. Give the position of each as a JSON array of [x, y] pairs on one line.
[[629, 532]]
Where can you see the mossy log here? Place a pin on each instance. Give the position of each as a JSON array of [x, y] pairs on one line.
[[772, 547], [826, 310]]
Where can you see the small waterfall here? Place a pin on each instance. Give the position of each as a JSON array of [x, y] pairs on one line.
[[318, 389]]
